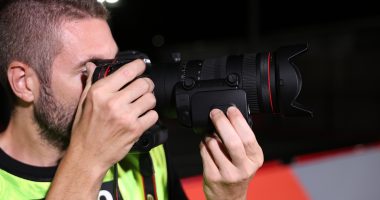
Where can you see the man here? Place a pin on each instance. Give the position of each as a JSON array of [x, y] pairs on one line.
[[65, 134]]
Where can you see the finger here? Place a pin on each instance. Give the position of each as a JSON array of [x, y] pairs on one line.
[[148, 119], [90, 68], [128, 72], [136, 89], [229, 136], [143, 104], [221, 146], [221, 160], [210, 169], [244, 131]]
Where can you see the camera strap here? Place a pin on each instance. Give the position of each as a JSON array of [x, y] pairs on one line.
[[147, 172]]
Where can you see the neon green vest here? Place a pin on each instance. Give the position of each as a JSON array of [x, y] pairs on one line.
[[129, 180]]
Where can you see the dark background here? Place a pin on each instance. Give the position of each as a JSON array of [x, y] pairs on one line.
[[340, 70]]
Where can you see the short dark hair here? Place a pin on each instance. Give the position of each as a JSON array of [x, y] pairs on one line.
[[29, 33]]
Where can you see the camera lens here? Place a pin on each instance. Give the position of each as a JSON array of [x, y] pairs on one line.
[[271, 80], [265, 82], [188, 90]]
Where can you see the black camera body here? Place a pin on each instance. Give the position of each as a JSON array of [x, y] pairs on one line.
[[188, 90]]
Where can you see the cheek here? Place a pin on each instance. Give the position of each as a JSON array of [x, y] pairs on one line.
[[69, 90], [74, 90]]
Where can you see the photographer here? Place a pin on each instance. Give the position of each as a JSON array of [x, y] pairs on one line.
[[65, 134]]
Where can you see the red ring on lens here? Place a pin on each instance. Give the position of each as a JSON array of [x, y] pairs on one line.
[[269, 87]]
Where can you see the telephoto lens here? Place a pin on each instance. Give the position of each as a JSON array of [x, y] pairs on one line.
[[265, 82]]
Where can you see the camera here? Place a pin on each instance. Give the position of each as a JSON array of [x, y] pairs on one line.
[[265, 82]]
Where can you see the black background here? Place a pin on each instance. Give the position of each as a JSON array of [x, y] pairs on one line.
[[340, 70]]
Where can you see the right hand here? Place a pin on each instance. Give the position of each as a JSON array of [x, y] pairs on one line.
[[110, 118]]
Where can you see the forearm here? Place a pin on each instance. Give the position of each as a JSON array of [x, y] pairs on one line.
[[76, 178], [226, 192], [213, 197]]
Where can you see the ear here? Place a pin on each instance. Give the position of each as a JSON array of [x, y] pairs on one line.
[[23, 81]]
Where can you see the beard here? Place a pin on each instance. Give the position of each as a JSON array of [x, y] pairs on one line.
[[54, 119]]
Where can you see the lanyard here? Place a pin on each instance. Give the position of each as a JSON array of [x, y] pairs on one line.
[[147, 172], [148, 178]]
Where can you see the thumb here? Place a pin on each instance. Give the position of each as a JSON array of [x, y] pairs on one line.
[[90, 68]]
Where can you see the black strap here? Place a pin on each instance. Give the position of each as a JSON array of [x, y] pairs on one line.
[[147, 172], [175, 188]]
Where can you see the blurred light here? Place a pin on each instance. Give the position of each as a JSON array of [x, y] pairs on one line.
[[112, 1], [108, 1]]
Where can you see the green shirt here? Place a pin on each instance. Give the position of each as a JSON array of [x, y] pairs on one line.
[[21, 181]]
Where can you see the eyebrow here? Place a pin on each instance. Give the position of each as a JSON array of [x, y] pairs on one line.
[[95, 58], [91, 59]]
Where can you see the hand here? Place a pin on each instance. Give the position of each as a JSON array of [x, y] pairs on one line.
[[109, 119], [230, 157]]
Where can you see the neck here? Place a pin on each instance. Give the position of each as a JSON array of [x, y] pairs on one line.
[[22, 141]]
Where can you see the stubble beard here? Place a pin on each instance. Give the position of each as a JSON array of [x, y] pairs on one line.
[[54, 119]]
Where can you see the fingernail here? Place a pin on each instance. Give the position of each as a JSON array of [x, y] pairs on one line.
[[90, 67], [232, 109], [84, 70], [207, 139], [214, 112]]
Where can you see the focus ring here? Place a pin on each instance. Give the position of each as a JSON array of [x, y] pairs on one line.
[[250, 81]]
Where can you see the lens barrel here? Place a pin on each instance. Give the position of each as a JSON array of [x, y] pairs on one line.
[[265, 82]]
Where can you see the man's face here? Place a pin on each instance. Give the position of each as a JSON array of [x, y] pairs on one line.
[[83, 40]]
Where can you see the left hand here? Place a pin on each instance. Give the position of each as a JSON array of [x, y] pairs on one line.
[[230, 157]]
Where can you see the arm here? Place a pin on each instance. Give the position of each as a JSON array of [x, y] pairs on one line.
[[108, 122], [230, 157]]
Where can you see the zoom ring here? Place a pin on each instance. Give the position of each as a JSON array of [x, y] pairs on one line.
[[250, 82]]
